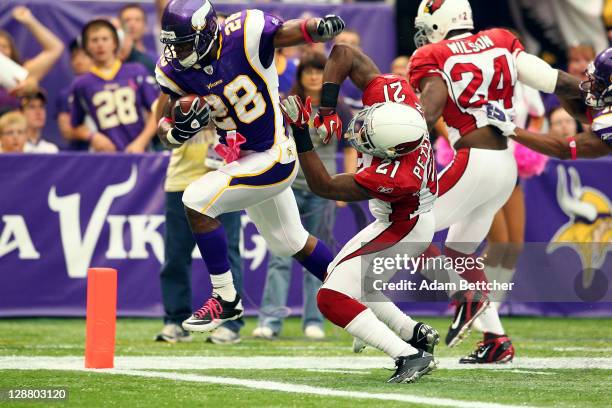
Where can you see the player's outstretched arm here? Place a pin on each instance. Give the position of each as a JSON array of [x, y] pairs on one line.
[[538, 74], [309, 30], [346, 61], [343, 62], [583, 145]]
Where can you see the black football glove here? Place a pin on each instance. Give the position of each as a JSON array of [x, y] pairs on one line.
[[328, 27], [186, 125]]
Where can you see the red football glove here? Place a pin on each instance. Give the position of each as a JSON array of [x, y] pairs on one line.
[[328, 124], [297, 112]]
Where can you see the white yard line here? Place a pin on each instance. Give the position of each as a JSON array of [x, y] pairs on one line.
[[320, 370], [280, 362], [587, 349], [531, 372], [307, 389]]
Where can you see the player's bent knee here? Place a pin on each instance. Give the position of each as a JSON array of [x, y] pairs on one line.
[[287, 244], [281, 249], [337, 307]]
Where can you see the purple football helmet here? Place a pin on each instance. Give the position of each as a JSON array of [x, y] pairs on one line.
[[598, 86], [189, 29]]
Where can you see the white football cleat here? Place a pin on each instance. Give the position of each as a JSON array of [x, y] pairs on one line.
[[314, 332], [173, 333], [358, 345], [223, 335], [264, 332]]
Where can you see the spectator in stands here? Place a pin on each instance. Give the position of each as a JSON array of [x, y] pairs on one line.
[[562, 123], [118, 97], [80, 63], [133, 20], [35, 68], [34, 108], [317, 214], [12, 132], [399, 66], [578, 59]]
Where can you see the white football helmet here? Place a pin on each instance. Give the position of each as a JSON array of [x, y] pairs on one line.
[[436, 18], [387, 130]]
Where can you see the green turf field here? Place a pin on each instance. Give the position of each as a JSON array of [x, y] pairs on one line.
[[560, 363]]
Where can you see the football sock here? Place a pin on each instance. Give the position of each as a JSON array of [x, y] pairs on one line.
[[501, 275], [213, 247], [489, 322], [361, 322], [472, 274], [394, 318], [223, 285], [375, 333], [318, 261]]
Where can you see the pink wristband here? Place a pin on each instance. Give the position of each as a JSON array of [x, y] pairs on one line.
[[165, 120], [572, 147], [305, 33]]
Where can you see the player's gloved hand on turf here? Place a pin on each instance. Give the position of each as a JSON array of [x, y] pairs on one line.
[[328, 27], [187, 124], [500, 118], [297, 112], [328, 124]]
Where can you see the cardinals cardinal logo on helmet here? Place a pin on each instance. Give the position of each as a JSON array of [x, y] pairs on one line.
[[433, 5]]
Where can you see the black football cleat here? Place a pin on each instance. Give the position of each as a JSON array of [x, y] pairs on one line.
[[411, 368], [213, 314], [493, 351], [468, 306], [424, 338]]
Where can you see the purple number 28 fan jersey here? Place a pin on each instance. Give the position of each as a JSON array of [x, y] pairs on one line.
[[116, 102], [242, 87]]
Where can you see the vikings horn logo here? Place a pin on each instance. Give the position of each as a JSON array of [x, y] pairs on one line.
[[432, 6], [589, 229], [198, 19]]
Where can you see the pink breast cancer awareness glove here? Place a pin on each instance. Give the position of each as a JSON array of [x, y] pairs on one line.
[[231, 152]]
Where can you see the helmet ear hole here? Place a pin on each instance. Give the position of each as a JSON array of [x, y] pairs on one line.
[[435, 26]]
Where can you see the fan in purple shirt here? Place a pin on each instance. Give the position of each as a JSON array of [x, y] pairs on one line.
[[117, 96]]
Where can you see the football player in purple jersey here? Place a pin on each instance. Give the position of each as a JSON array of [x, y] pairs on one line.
[[232, 67], [117, 96]]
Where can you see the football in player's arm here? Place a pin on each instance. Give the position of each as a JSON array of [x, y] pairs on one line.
[[291, 33]]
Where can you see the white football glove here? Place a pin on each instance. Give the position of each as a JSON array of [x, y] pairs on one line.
[[500, 118], [297, 112]]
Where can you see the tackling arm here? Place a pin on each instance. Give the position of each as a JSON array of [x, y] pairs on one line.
[[341, 187], [588, 145]]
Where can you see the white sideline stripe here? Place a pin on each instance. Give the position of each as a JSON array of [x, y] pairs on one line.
[[280, 362], [319, 370], [531, 372], [307, 389], [587, 349]]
